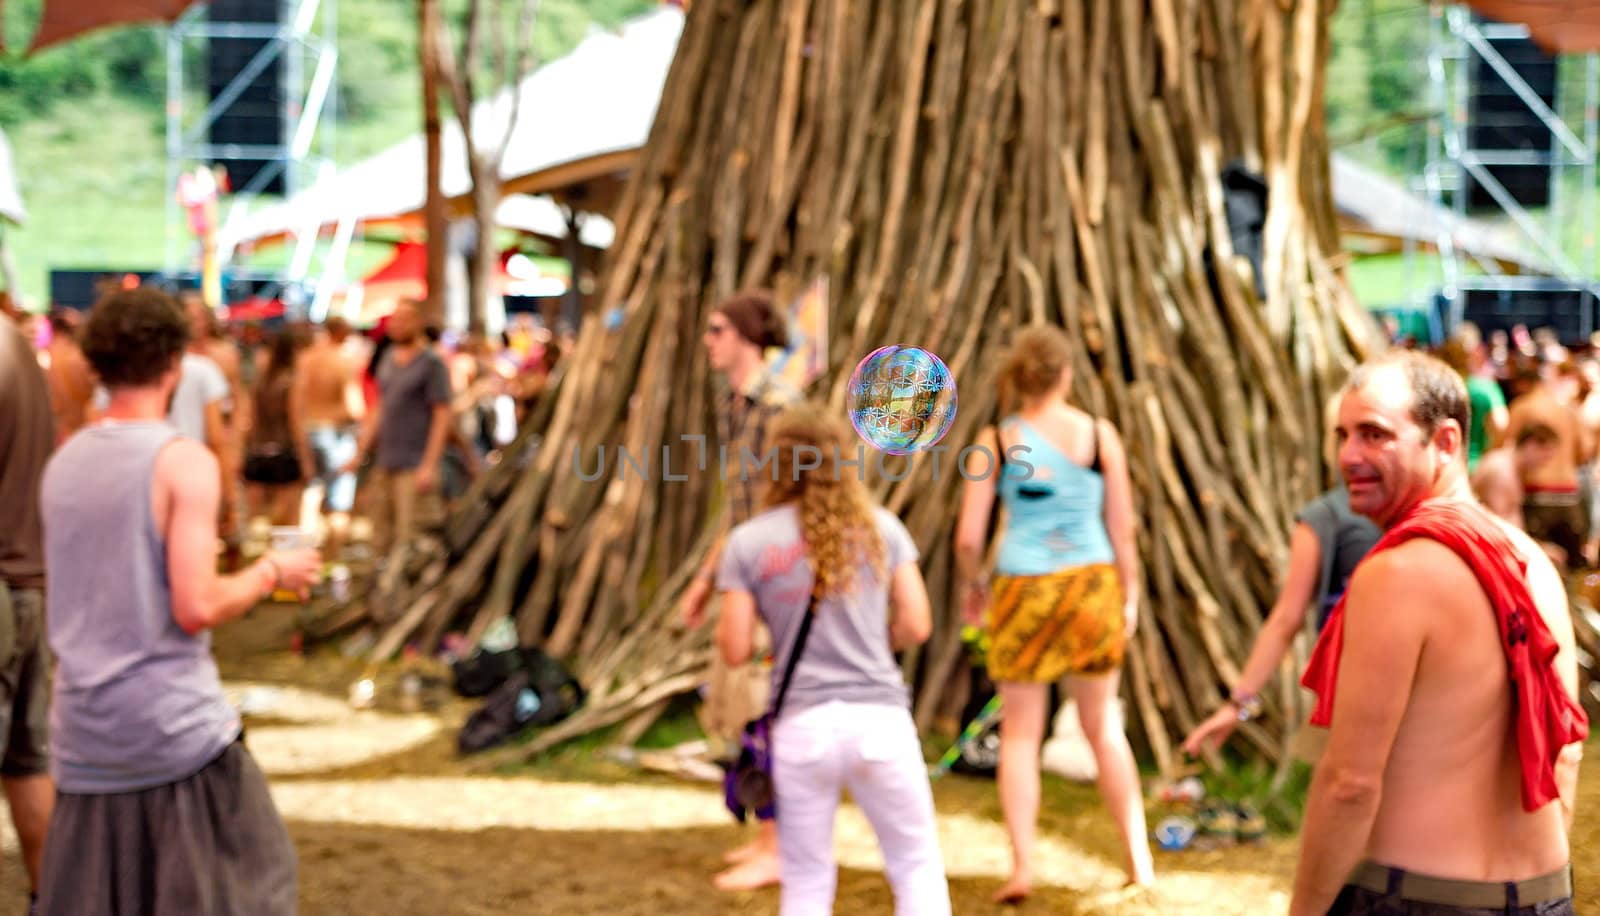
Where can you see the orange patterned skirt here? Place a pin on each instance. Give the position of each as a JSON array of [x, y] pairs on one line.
[[1042, 628]]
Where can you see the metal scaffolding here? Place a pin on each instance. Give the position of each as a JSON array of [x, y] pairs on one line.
[[1564, 237], [302, 41]]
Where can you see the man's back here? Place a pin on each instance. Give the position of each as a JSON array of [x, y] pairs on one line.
[[1451, 803], [138, 701], [1498, 485], [71, 386], [26, 438], [1540, 406], [324, 378]]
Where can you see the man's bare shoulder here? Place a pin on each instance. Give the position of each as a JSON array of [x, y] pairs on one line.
[[182, 458], [1418, 573]]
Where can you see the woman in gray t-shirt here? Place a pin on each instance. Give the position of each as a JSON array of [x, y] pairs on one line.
[[845, 720]]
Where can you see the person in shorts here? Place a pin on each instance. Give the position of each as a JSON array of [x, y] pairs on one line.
[[27, 436]]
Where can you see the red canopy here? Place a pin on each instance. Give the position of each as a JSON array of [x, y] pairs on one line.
[[405, 276], [67, 19], [255, 308], [1558, 26]]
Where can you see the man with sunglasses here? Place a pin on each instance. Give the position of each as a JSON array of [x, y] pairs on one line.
[[741, 329]]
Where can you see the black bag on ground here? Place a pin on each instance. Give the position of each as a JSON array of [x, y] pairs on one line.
[[480, 673], [539, 692]]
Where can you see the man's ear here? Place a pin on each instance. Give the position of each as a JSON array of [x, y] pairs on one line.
[[1450, 438]]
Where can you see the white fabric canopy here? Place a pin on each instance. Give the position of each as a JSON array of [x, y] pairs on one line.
[[10, 198], [600, 99]]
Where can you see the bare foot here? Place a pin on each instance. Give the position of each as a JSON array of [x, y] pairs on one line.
[[760, 870], [743, 853], [1014, 890]]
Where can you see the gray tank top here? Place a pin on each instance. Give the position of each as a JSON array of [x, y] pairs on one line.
[[138, 702]]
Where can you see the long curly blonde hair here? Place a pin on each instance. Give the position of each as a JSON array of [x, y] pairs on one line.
[[836, 513]]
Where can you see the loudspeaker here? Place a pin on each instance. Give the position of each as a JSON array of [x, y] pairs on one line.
[[1565, 307], [1498, 120], [256, 116]]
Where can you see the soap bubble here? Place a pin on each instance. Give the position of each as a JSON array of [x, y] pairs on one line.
[[902, 399]]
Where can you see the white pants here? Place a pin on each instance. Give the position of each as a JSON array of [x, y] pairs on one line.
[[874, 751]]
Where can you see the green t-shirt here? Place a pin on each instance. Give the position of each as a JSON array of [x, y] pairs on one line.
[[1485, 397]]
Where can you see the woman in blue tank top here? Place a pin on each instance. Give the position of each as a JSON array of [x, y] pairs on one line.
[[1062, 600]]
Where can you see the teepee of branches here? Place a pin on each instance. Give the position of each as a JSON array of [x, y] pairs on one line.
[[956, 169]]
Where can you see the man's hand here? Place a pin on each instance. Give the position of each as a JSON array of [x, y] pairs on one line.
[[692, 606], [1209, 735], [1130, 617], [297, 570]]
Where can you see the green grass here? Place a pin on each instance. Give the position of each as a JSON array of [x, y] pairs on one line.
[[91, 177]]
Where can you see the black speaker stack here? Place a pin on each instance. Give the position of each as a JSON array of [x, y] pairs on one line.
[[256, 117], [1534, 302], [1500, 121]]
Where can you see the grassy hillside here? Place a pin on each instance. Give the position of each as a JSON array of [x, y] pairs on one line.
[[86, 123]]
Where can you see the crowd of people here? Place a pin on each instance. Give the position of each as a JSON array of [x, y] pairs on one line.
[[292, 413], [1445, 667]]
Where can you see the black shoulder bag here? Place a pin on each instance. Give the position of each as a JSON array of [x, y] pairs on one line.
[[747, 787]]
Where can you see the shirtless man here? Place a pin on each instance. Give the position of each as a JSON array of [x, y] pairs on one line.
[[1552, 502], [1498, 479], [328, 397], [1420, 795], [67, 370]]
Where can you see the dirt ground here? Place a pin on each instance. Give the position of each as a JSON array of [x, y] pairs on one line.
[[381, 868]]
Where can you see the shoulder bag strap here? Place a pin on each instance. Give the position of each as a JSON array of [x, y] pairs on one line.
[[794, 654]]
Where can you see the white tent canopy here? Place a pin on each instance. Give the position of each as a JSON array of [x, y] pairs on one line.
[[10, 198], [1384, 206], [598, 104], [600, 100]]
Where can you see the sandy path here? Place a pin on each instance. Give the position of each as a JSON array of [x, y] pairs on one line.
[[323, 733]]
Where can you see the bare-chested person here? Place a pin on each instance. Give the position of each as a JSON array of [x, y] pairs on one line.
[[1447, 678], [1553, 506], [1498, 480], [68, 372], [327, 395]]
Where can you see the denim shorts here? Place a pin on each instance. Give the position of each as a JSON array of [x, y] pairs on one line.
[[24, 683], [332, 447]]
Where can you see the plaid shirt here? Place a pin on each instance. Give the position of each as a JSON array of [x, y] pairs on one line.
[[744, 420]]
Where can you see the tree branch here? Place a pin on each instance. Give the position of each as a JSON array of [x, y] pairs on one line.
[[522, 65]]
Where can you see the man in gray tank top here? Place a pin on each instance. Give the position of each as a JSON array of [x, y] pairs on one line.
[[160, 807]]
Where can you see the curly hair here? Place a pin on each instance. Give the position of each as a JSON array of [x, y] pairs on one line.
[[1034, 364], [133, 336], [836, 514]]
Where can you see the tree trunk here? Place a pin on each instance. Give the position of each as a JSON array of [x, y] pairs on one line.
[[486, 255], [435, 217], [956, 169]]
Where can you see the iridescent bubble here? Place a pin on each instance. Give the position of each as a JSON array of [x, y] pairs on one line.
[[902, 399]]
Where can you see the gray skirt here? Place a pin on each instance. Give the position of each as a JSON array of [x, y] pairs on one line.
[[209, 845]]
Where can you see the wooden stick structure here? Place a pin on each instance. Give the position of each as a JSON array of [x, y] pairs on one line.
[[1149, 175]]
